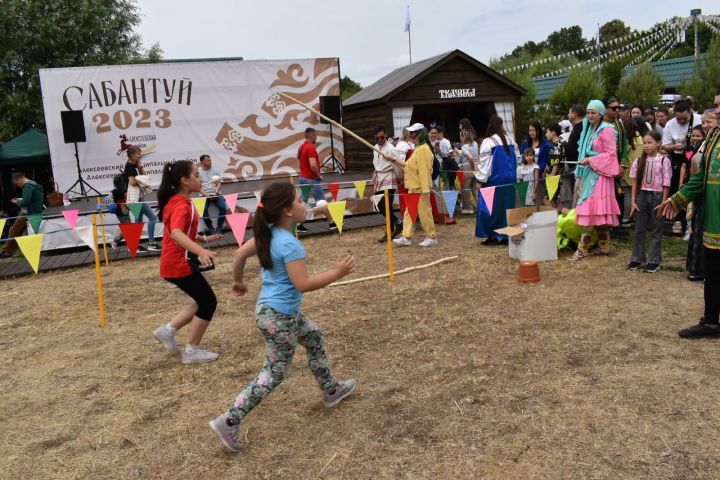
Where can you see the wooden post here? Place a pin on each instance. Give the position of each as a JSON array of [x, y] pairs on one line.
[[102, 229], [101, 299]]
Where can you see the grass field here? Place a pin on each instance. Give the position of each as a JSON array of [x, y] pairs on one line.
[[462, 373]]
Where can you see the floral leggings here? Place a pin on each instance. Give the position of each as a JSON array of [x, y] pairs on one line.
[[282, 333]]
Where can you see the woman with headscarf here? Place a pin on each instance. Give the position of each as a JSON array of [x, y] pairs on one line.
[[598, 165], [418, 179]]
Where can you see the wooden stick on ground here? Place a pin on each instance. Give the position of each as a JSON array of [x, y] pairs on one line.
[[405, 270]]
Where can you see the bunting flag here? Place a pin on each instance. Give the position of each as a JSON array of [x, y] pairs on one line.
[[437, 182], [34, 221], [337, 212], [305, 191], [71, 217], [376, 200], [2, 225], [488, 195], [30, 246], [521, 188], [334, 189], [258, 194], [231, 201], [360, 187], [238, 222], [86, 235], [411, 203], [444, 177], [199, 203], [461, 177], [552, 183], [132, 232], [450, 197], [135, 209]]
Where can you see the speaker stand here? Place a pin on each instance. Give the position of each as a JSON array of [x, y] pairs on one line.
[[82, 183], [334, 162]]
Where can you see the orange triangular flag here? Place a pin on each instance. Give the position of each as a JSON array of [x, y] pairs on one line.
[[337, 212], [334, 189], [132, 232], [238, 222], [411, 203], [30, 246]]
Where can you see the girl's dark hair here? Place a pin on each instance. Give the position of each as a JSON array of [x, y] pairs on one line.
[[641, 124], [699, 129], [640, 172], [172, 173], [495, 128], [466, 124], [274, 199], [538, 131], [631, 130]]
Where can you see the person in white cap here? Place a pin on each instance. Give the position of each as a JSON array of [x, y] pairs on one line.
[[418, 173]]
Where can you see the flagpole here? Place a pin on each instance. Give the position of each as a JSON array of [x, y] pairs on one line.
[[409, 44]]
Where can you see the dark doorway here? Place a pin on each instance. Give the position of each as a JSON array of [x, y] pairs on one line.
[[448, 115]]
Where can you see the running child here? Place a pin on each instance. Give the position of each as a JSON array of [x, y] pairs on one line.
[[651, 175], [278, 316], [178, 214]]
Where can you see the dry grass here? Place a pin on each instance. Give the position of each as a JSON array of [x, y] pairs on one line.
[[462, 374]]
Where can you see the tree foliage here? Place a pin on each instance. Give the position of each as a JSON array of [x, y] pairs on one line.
[[706, 81], [349, 87], [581, 86], [527, 101], [642, 87], [37, 34]]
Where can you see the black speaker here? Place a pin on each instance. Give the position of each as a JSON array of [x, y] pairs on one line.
[[330, 107], [73, 126]]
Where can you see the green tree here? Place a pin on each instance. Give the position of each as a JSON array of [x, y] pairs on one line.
[[566, 40], [611, 74], [613, 29], [349, 87], [703, 85], [527, 101], [582, 86], [38, 34], [642, 87]]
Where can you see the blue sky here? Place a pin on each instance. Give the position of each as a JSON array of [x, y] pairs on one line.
[[368, 36]]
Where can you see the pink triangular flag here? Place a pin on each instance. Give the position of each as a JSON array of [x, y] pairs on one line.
[[71, 217], [488, 194], [411, 203], [231, 201], [238, 222]]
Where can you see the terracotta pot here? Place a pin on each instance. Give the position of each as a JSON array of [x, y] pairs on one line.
[[528, 272]]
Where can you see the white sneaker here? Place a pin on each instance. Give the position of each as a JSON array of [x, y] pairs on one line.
[[198, 355], [402, 242], [167, 338], [114, 244], [429, 242], [466, 211]]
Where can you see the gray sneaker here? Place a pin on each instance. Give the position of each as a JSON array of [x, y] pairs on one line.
[[167, 338], [198, 355], [228, 435], [342, 390]]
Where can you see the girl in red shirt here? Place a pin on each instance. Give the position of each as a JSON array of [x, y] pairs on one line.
[[178, 214]]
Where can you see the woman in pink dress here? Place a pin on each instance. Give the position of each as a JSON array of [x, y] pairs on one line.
[[598, 165]]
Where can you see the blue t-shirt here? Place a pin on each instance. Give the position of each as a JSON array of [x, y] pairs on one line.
[[277, 289]]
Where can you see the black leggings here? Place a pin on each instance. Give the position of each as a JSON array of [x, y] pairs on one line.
[[197, 288]]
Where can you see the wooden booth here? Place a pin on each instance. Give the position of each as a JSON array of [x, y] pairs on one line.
[[439, 90]]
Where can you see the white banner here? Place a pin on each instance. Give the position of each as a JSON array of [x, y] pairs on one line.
[[230, 110]]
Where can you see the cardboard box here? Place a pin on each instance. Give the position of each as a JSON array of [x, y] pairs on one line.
[[532, 233]]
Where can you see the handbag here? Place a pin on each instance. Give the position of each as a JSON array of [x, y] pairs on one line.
[[55, 198], [193, 259]]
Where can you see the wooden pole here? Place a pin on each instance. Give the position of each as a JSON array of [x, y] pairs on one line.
[[405, 270], [101, 299], [388, 233], [102, 229]]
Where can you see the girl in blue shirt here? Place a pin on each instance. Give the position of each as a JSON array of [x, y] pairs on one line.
[[284, 280]]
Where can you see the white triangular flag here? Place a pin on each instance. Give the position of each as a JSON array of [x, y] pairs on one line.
[[86, 235]]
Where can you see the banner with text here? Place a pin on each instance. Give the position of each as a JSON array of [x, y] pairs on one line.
[[230, 110]]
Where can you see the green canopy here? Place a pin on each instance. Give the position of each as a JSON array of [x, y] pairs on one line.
[[28, 148]]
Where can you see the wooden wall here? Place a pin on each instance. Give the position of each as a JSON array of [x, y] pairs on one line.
[[362, 121]]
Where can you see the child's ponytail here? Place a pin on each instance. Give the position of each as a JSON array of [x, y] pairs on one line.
[[277, 197], [172, 173]]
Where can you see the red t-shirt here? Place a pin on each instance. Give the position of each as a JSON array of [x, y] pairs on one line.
[[178, 213], [305, 153]]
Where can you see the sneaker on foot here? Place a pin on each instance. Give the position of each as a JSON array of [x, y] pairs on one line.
[[652, 268], [332, 227], [114, 244], [198, 355], [227, 434], [142, 249], [677, 228], [167, 337], [633, 265], [429, 242], [686, 237], [695, 278], [302, 228], [402, 242], [342, 390], [701, 330], [154, 247], [466, 211]]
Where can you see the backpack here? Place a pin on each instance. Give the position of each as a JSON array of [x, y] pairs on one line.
[[436, 168]]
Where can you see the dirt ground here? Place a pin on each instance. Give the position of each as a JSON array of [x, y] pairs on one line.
[[462, 373]]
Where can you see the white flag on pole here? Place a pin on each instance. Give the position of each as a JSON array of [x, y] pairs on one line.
[[407, 19]]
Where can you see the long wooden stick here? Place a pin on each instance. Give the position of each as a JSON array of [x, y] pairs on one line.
[[330, 120], [405, 270]]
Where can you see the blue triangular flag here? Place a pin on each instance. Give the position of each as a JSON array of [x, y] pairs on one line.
[[450, 197], [437, 181]]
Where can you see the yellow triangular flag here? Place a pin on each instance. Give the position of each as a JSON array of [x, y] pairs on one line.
[[552, 183], [199, 203], [30, 246], [2, 225], [360, 186], [337, 212]]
